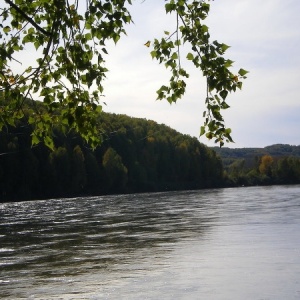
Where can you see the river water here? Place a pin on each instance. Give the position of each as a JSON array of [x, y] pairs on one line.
[[239, 243]]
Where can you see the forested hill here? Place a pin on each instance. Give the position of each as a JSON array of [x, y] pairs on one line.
[[277, 150], [136, 155], [275, 164]]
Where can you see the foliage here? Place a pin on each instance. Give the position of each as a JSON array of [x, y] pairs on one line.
[[206, 56], [70, 38], [70, 42], [136, 155], [266, 165], [261, 168], [116, 172]]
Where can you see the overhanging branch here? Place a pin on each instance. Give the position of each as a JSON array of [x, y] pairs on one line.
[[23, 14]]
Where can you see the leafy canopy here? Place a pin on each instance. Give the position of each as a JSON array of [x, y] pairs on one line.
[[69, 38]]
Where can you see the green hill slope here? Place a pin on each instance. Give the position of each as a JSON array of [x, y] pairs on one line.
[[136, 155]]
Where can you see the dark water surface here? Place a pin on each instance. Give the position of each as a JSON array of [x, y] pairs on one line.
[[241, 243]]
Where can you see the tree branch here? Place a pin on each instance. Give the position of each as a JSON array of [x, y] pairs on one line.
[[23, 14]]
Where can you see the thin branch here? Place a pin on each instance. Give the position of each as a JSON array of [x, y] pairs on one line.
[[177, 38], [23, 14]]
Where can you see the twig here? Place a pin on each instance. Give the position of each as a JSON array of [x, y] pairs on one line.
[[21, 12]]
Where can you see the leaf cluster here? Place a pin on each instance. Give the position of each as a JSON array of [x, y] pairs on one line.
[[206, 56], [70, 42]]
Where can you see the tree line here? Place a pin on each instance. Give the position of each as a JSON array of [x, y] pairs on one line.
[[275, 164], [136, 155]]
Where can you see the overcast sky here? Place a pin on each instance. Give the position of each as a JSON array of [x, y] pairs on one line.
[[265, 39]]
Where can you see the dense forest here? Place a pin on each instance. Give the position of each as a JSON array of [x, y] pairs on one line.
[[275, 164], [136, 155]]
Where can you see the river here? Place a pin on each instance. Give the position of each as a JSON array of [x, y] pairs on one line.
[[235, 243]]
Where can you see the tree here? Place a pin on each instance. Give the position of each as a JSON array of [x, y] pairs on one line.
[[116, 172], [70, 42], [265, 166], [78, 171], [93, 174], [60, 167]]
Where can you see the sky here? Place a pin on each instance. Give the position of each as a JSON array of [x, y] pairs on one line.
[[265, 39]]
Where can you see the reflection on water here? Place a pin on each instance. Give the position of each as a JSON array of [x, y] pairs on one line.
[[215, 244]]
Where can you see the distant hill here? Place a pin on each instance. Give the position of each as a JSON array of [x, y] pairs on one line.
[[277, 150], [275, 164]]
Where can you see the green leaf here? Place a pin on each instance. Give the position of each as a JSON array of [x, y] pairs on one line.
[[116, 38], [223, 94], [88, 36], [204, 28], [174, 55], [190, 56], [153, 54], [228, 131], [224, 47], [6, 29], [28, 70], [209, 135], [49, 142], [228, 63], [202, 130], [243, 72], [34, 139], [169, 7], [224, 105], [36, 44]]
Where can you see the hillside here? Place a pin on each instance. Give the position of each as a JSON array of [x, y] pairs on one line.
[[275, 164], [136, 155], [277, 150]]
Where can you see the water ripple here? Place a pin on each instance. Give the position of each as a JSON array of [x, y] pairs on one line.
[[74, 247]]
